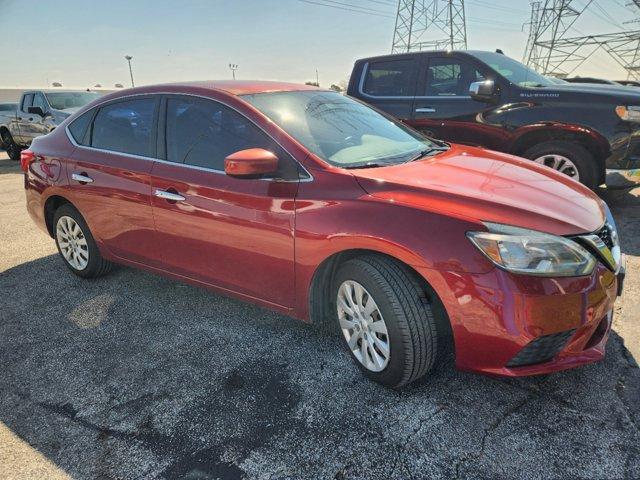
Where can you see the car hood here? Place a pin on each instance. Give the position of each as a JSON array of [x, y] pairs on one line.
[[483, 185]]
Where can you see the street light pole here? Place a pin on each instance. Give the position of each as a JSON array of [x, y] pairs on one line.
[[233, 67], [129, 57]]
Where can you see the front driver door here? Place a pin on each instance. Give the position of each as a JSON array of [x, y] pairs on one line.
[[443, 108], [236, 234]]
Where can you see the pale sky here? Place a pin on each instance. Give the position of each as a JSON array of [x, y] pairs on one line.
[[83, 42]]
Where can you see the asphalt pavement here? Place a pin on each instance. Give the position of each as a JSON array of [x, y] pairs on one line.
[[137, 376]]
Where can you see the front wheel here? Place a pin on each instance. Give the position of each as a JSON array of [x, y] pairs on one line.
[[569, 158], [76, 245], [388, 326]]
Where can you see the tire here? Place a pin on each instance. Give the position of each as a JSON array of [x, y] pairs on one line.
[[411, 329], [89, 265], [584, 163], [10, 146]]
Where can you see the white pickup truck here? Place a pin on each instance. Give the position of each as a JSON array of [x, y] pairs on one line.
[[39, 112]]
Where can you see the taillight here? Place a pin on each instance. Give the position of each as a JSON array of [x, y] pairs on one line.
[[26, 157]]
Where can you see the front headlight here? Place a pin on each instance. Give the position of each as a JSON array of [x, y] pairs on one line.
[[529, 252], [628, 113]]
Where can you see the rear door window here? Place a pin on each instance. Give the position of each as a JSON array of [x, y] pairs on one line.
[[79, 127], [203, 133], [393, 78], [450, 77], [126, 127]]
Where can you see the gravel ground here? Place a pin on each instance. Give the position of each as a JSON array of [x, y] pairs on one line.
[[136, 376]]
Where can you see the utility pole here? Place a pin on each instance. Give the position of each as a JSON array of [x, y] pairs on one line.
[[429, 24], [233, 67], [129, 58], [318, 78]]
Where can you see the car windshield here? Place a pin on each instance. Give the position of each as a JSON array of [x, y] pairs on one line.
[[64, 100], [513, 70], [340, 130]]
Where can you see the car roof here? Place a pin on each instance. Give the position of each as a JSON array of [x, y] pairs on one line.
[[232, 87]]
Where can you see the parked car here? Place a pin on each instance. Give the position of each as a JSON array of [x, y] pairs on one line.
[[315, 205], [488, 99], [7, 113], [38, 113]]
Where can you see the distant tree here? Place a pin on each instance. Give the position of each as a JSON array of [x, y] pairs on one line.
[[97, 85], [335, 87], [118, 85], [56, 84], [315, 84]]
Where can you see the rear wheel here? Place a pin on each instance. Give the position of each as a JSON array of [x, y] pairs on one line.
[[569, 158], [76, 245], [12, 149], [388, 327]]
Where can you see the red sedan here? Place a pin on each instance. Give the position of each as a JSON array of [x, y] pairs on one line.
[[315, 205]]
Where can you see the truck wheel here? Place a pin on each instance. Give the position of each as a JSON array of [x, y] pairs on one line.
[[569, 158], [389, 328], [10, 146]]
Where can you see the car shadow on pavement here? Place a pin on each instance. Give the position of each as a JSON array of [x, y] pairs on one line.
[[134, 375], [9, 166]]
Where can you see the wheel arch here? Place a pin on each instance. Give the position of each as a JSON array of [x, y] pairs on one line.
[[50, 206], [320, 300], [528, 136]]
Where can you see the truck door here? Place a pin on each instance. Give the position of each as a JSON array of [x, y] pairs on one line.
[[20, 124], [389, 84], [443, 108]]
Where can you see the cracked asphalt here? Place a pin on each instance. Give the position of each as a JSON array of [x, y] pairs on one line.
[[137, 376]]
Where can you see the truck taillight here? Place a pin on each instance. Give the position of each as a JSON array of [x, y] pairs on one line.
[[26, 157]]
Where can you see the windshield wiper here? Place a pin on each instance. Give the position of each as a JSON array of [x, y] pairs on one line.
[[366, 165], [428, 151]]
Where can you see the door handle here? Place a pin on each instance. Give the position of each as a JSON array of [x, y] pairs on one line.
[[425, 110], [81, 177], [170, 196]]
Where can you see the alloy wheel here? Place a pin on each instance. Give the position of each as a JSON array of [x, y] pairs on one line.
[[72, 242], [559, 163], [362, 325]]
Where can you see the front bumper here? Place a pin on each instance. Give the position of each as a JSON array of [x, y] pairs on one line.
[[495, 316]]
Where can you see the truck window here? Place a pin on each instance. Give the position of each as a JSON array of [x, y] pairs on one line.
[[39, 101], [27, 101], [450, 77], [393, 78]]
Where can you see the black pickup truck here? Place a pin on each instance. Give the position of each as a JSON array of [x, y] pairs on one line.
[[589, 132]]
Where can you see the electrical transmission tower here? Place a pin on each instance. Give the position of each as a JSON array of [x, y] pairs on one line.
[[552, 52], [419, 20], [549, 23]]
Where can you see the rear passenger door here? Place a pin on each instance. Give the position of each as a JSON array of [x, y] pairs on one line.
[[110, 171], [443, 108], [235, 234], [390, 85]]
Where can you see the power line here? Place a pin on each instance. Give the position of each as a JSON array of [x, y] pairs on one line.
[[321, 4]]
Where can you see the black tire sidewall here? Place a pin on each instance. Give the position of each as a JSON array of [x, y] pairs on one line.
[[388, 304], [12, 149], [95, 259], [579, 155]]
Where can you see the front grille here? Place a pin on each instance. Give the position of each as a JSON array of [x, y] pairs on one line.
[[606, 235], [541, 349]]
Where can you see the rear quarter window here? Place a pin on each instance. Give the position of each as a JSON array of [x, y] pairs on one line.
[[78, 128], [393, 78]]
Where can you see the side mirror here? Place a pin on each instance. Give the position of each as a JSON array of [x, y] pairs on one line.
[[483, 91], [251, 163], [36, 111]]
